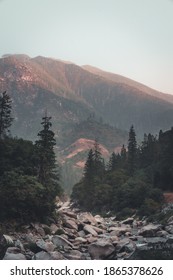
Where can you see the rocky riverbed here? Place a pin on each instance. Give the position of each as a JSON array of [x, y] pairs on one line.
[[81, 236]]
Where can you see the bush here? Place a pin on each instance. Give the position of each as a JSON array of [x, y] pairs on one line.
[[149, 207], [22, 197]]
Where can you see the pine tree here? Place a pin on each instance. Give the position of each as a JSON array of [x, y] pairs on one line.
[[112, 165], [5, 114], [89, 167], [132, 151], [123, 157], [47, 168], [99, 166]]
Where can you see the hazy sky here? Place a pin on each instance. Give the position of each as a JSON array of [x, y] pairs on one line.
[[133, 38]]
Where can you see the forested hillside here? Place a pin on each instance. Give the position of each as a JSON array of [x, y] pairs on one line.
[[133, 181]]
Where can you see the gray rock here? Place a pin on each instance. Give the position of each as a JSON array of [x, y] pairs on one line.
[[169, 229], [70, 214], [38, 228], [86, 218], [69, 223], [47, 246], [161, 233], [170, 220], [128, 221], [126, 245], [90, 229], [59, 241], [75, 255], [101, 249], [8, 240], [14, 257], [19, 245], [56, 256], [119, 230], [99, 219], [81, 233], [42, 255], [79, 240], [149, 230], [53, 228], [14, 253]]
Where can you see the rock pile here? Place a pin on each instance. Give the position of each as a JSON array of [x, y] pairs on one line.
[[82, 236]]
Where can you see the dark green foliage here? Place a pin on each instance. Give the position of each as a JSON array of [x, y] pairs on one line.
[[21, 197], [28, 179], [47, 170], [45, 151], [133, 181], [89, 167], [5, 114], [94, 172], [132, 151]]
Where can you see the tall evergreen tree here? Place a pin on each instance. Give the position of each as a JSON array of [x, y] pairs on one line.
[[5, 114], [47, 168], [123, 157], [132, 151], [89, 167], [99, 166], [113, 162]]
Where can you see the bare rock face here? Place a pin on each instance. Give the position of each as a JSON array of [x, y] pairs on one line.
[[101, 249]]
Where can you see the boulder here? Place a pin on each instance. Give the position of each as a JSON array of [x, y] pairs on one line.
[[81, 233], [169, 229], [99, 219], [170, 220], [42, 255], [90, 229], [119, 230], [79, 240], [69, 223], [161, 233], [5, 242], [149, 230], [38, 227], [86, 218], [74, 255], [128, 221], [70, 214], [53, 228], [8, 240], [14, 253], [60, 241], [47, 246], [101, 249]]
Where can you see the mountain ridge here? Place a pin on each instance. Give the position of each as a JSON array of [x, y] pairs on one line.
[[121, 102]]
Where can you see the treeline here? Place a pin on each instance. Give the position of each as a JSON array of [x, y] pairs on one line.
[[29, 179], [132, 181]]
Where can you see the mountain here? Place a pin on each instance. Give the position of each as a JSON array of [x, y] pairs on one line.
[[123, 80], [84, 102], [71, 93]]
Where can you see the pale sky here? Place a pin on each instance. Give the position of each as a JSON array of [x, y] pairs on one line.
[[133, 38]]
